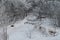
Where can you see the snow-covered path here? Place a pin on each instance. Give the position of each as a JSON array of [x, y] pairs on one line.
[[22, 31]]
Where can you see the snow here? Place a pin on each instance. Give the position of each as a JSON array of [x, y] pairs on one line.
[[22, 31]]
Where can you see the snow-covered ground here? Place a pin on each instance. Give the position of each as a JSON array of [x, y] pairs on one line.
[[23, 30]]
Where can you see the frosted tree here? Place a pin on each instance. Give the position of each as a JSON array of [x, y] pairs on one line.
[[46, 8], [10, 12]]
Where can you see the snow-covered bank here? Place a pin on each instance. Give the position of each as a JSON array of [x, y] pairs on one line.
[[22, 31]]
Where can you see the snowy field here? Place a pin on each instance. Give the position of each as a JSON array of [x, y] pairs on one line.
[[23, 30]]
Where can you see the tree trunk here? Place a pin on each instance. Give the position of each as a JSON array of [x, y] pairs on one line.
[[5, 33]]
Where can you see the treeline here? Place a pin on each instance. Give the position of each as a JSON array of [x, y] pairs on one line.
[[14, 10]]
